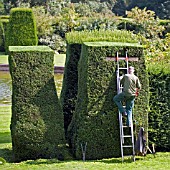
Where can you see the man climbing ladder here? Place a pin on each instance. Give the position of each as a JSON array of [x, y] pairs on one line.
[[130, 84], [127, 86]]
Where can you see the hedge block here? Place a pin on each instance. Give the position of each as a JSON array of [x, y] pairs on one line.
[[159, 128], [95, 120], [21, 30], [70, 81], [37, 127]]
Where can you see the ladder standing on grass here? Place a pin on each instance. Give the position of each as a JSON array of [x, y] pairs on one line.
[[124, 137]]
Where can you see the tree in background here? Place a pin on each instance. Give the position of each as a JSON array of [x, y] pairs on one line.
[[160, 7], [150, 29]]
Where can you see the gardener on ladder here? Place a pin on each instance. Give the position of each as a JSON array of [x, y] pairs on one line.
[[130, 84]]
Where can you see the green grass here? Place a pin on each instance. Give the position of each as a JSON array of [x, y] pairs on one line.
[[3, 58], [59, 59], [160, 162]]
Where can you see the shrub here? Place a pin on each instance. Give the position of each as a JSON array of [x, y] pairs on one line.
[[159, 82], [21, 30], [37, 119], [70, 80], [95, 118]]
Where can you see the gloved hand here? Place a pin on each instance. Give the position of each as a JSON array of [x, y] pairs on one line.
[[137, 92]]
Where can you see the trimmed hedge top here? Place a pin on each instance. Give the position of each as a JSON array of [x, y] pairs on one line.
[[117, 44], [77, 37], [21, 30], [30, 48]]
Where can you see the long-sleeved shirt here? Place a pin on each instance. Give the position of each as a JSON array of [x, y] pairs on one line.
[[130, 84]]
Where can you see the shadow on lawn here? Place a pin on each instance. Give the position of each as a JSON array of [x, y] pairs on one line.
[[5, 137], [118, 160], [6, 154], [106, 161], [44, 161]]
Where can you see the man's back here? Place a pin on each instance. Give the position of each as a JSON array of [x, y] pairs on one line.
[[130, 82]]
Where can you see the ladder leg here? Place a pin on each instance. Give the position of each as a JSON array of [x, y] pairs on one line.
[[121, 135]]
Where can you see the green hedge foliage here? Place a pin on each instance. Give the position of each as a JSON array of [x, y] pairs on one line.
[[21, 29], [70, 81], [78, 37], [159, 118], [5, 22], [95, 119], [37, 127], [1, 37]]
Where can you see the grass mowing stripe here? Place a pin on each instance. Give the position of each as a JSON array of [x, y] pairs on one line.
[[5, 118], [5, 137]]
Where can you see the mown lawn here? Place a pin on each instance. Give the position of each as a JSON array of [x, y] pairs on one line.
[[3, 58], [160, 162]]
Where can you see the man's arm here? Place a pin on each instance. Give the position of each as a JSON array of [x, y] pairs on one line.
[[122, 79], [138, 84]]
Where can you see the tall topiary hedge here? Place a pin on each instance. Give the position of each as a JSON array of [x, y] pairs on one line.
[[70, 81], [159, 113], [37, 127], [95, 120], [21, 30]]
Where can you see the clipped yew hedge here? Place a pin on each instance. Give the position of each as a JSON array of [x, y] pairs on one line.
[[37, 127], [21, 29], [159, 117], [95, 118], [70, 81]]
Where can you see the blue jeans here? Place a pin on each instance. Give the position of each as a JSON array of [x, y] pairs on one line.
[[129, 102]]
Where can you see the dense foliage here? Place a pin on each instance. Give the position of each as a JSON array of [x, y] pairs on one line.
[[70, 80], [119, 7], [159, 118], [95, 119], [75, 109], [37, 119], [57, 18], [76, 37], [1, 37], [21, 29]]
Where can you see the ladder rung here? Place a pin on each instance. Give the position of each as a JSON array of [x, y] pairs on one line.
[[127, 136], [127, 146], [121, 68], [125, 126]]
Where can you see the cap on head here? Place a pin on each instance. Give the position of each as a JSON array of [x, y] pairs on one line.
[[131, 68]]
